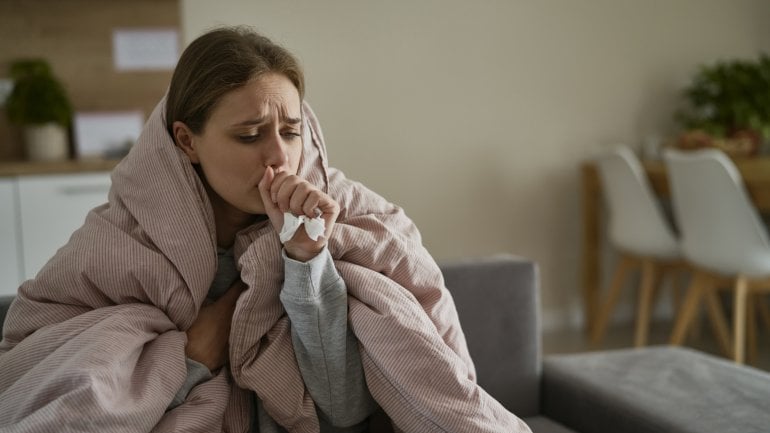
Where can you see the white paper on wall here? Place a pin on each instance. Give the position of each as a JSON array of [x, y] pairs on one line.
[[106, 134], [145, 49]]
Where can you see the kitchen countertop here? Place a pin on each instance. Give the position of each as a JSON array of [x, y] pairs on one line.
[[16, 168]]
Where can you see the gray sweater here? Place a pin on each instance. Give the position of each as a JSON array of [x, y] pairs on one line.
[[315, 299]]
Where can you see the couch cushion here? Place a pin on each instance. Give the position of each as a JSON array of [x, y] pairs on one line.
[[541, 424], [657, 389]]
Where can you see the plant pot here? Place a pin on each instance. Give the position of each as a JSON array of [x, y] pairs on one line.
[[741, 144], [47, 142]]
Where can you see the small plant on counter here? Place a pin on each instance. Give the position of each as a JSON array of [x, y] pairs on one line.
[[39, 104], [37, 96]]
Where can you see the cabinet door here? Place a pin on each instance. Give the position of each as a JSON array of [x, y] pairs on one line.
[[10, 265], [52, 207]]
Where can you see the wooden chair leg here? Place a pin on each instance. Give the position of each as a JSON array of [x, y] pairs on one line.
[[751, 328], [647, 288], [689, 307], [718, 320], [619, 276], [680, 287], [739, 324]]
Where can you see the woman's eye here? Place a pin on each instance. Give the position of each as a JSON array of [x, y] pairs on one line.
[[251, 138], [248, 138]]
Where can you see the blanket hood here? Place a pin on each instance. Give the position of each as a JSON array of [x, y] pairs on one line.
[[158, 186]]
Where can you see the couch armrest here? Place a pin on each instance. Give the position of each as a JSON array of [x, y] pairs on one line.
[[497, 302]]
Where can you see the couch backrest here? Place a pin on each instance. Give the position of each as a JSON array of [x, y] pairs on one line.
[[497, 301], [5, 302]]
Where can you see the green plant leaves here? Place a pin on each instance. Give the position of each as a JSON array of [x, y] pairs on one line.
[[37, 96], [728, 97]]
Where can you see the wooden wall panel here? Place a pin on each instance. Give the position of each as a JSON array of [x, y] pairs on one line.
[[75, 36]]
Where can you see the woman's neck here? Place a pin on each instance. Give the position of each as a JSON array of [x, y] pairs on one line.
[[228, 220]]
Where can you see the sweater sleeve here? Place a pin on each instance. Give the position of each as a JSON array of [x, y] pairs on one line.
[[196, 374], [315, 299]]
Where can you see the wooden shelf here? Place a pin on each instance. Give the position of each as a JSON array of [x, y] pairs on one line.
[[17, 168]]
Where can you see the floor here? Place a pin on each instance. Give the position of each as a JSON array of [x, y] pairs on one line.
[[622, 336]]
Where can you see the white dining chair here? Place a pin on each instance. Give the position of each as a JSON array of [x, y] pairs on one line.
[[725, 240], [641, 234]]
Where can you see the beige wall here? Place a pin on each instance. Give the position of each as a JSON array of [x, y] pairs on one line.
[[475, 115]]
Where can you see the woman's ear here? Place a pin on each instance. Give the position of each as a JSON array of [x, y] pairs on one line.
[[185, 139]]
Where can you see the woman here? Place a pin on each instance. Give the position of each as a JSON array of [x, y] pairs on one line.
[[246, 148], [226, 266]]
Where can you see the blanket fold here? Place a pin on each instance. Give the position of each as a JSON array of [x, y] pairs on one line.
[[96, 340]]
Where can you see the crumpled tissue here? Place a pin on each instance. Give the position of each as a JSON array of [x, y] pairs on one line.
[[314, 227]]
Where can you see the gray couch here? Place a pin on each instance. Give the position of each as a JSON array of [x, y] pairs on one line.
[[658, 389]]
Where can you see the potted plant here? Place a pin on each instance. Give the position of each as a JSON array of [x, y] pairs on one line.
[[728, 107], [39, 104]]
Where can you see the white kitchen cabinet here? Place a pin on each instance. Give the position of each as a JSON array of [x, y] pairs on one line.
[[51, 208], [10, 246]]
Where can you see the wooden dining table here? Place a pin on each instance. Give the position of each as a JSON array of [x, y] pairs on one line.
[[756, 177]]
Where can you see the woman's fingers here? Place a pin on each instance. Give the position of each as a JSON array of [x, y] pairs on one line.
[[265, 186], [207, 337], [296, 195], [283, 189], [284, 192], [302, 193], [311, 205]]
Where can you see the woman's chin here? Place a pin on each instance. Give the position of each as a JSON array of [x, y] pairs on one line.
[[255, 210]]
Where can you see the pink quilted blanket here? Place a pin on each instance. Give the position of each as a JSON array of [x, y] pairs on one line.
[[96, 341]]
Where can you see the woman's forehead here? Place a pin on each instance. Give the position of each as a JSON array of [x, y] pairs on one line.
[[263, 99]]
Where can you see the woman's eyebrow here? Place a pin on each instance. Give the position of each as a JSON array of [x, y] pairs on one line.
[[263, 119], [250, 122]]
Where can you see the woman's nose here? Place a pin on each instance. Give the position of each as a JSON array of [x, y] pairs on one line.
[[275, 152]]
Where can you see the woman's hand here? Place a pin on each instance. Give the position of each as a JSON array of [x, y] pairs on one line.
[[207, 337], [282, 192]]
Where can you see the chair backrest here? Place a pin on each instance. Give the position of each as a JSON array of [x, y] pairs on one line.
[[720, 227], [637, 223]]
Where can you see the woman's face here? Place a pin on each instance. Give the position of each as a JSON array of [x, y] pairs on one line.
[[251, 128]]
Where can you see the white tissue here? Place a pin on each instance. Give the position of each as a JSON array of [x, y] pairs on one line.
[[314, 227]]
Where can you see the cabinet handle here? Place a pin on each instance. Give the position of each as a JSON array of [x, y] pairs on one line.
[[84, 189]]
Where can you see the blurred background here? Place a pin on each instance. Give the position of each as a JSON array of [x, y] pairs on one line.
[[473, 116]]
